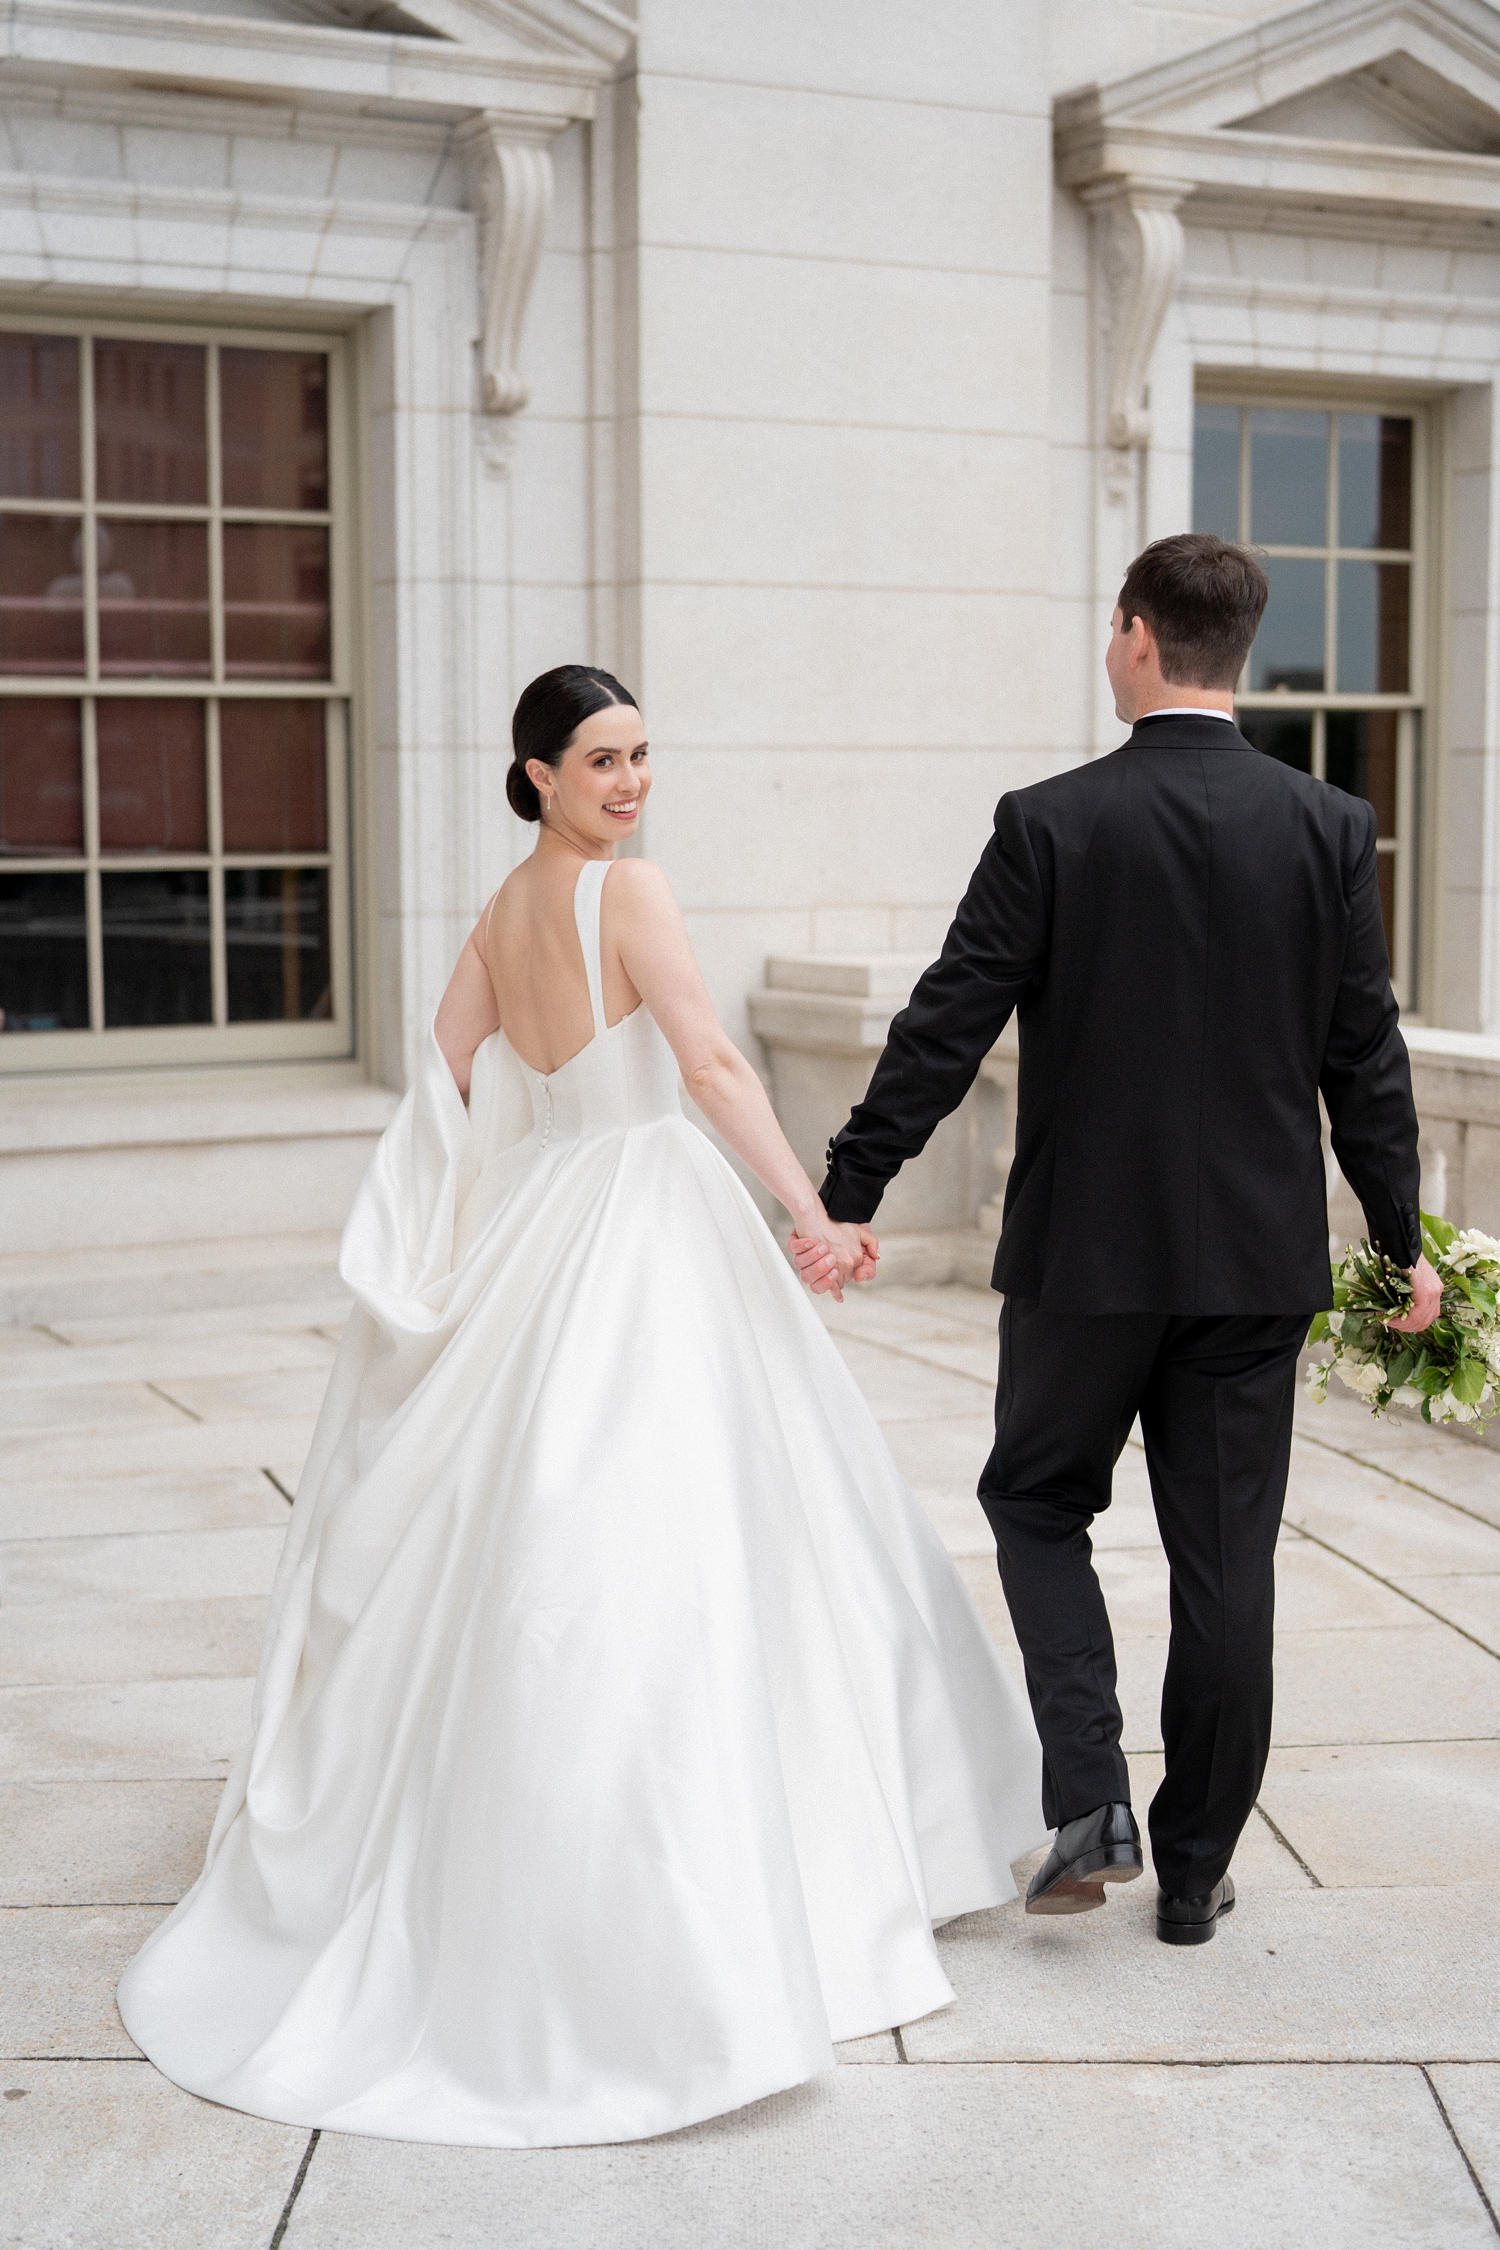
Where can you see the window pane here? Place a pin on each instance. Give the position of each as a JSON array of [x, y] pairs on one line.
[[1288, 478], [1374, 633], [1361, 758], [1216, 470], [1287, 735], [41, 778], [44, 961], [1374, 480], [41, 444], [151, 420], [274, 774], [153, 599], [273, 413], [153, 789], [275, 602], [156, 955], [41, 594], [1288, 649], [276, 944]]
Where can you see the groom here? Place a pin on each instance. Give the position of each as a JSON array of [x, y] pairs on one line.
[[1191, 933]]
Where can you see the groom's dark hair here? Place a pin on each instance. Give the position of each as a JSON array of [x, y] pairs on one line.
[[1203, 599]]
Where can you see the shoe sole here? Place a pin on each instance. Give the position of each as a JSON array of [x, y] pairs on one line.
[[1192, 1933], [1080, 1887]]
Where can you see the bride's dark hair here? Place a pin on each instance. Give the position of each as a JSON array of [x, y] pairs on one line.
[[548, 716]]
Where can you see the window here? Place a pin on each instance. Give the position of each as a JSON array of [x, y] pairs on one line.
[[1329, 496], [173, 706]]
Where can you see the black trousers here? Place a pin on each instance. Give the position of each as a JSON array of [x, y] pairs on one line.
[[1215, 1399]]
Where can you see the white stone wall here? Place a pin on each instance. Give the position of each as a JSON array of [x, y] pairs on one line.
[[842, 363]]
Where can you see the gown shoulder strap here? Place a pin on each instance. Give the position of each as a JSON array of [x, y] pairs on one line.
[[586, 901]]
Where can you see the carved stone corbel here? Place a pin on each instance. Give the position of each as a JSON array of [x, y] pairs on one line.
[[510, 171], [1142, 262]]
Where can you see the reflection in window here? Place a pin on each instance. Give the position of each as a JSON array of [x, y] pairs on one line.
[[273, 419], [156, 949], [44, 955], [1288, 478], [153, 599], [153, 788], [1374, 631], [276, 943], [40, 453], [1288, 650], [1374, 480], [275, 602], [41, 595], [41, 777], [275, 776], [151, 421]]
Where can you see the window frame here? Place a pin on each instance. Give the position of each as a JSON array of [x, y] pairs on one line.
[[1416, 715], [37, 1053]]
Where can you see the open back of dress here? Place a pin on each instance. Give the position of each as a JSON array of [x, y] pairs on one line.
[[622, 1727]]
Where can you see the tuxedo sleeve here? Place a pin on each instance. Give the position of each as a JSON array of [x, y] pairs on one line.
[[1366, 1075], [995, 949]]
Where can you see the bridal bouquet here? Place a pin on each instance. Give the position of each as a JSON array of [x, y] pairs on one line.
[[1452, 1369]]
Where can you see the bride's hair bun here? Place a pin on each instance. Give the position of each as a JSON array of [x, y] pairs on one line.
[[548, 716]]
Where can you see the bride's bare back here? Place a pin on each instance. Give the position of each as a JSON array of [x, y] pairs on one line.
[[535, 963]]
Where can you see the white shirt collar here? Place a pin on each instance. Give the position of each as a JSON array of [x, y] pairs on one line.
[[1187, 711]]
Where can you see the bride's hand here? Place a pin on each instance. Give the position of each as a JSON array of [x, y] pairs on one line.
[[837, 1253]]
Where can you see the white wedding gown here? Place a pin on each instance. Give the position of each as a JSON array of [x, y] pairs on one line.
[[622, 1728]]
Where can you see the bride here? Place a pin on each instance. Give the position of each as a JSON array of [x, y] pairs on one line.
[[622, 1729]]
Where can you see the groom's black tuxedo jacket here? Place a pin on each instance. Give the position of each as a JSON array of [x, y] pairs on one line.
[[1191, 933]]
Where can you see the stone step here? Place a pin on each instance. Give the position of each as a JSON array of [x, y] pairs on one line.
[[37, 1286]]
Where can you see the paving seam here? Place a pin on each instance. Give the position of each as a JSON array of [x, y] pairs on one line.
[[158, 1392], [286, 2208], [1391, 1587], [1394, 1476], [1288, 1846], [1479, 2188], [277, 1486]]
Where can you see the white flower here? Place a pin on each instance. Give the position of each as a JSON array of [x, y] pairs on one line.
[[1366, 1377], [1317, 1382], [1335, 1324], [1407, 1395]]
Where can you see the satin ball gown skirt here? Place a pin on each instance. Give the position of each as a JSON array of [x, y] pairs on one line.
[[622, 1728]]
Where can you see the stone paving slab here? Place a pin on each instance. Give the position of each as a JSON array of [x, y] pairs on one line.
[[901, 1389], [84, 1406], [187, 1448], [1470, 2093], [197, 1564], [1293, 1975], [1471, 1602], [59, 1966], [103, 1843], [251, 1397], [151, 1730], [75, 1643], [104, 1507], [1259, 1859], [1418, 1683], [979, 1308], [164, 1360], [941, 1450], [109, 2156], [886, 1317], [971, 2159], [1401, 1814], [1386, 1526], [1436, 1461], [311, 1313]]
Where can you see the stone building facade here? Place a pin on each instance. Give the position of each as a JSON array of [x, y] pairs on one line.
[[816, 369]]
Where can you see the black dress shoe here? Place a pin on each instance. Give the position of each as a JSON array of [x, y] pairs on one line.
[[1192, 1921], [1103, 1846]]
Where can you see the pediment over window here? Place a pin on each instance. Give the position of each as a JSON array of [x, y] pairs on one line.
[[539, 59], [1394, 103], [1341, 101]]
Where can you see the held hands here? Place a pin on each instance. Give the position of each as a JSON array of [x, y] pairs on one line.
[[1426, 1301], [829, 1253]]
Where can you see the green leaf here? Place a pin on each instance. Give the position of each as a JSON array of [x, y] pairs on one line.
[[1399, 1368], [1469, 1379], [1439, 1232], [1320, 1331]]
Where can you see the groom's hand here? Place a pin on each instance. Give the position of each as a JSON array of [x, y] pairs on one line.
[[1426, 1301], [838, 1253]]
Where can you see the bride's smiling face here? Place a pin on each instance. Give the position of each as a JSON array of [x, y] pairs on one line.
[[595, 795]]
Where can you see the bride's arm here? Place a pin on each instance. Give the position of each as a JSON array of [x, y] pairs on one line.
[[646, 924], [467, 1012]]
